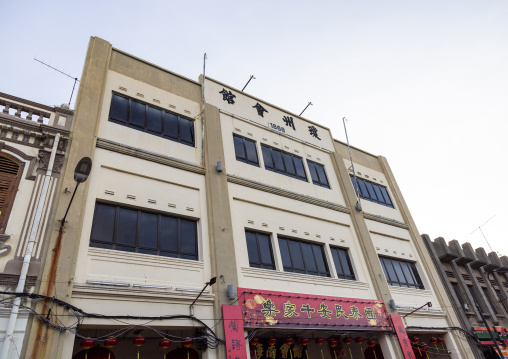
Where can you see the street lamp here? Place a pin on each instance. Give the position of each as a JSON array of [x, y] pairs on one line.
[[81, 173]]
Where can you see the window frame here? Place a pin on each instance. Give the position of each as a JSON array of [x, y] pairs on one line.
[[417, 281], [12, 190], [348, 260], [181, 120], [113, 244], [371, 195], [319, 183], [293, 269], [285, 171], [246, 160], [260, 265]]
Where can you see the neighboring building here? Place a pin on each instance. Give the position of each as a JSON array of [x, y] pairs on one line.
[[27, 139], [266, 206], [473, 279]]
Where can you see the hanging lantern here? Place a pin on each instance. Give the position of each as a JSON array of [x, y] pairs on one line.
[[371, 343], [87, 343], [440, 340], [272, 341], [110, 342], [424, 347], [303, 341], [138, 341], [415, 339], [347, 340], [288, 340], [187, 343], [319, 341], [254, 341], [359, 341], [165, 343], [332, 343]]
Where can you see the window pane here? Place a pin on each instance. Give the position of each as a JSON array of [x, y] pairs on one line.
[[188, 236], [386, 196], [170, 125], [320, 259], [308, 256], [416, 275], [372, 194], [265, 249], [148, 230], [288, 162], [252, 154], [154, 121], [284, 253], [296, 255], [392, 277], [313, 173], [169, 233], [239, 149], [344, 260], [137, 115], [407, 273], [103, 223], [267, 157], [252, 247], [127, 226], [322, 175], [300, 171], [378, 193], [363, 188], [277, 158], [400, 275], [336, 261], [119, 108], [187, 131], [355, 183]]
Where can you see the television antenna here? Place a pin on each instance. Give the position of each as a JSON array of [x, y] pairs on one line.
[[480, 228], [63, 73]]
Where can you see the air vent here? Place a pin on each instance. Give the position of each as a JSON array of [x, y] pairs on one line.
[[156, 101], [152, 201], [449, 274], [480, 279], [140, 94], [122, 88], [466, 277]]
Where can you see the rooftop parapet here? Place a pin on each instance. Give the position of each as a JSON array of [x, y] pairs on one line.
[[444, 252], [462, 258], [470, 252]]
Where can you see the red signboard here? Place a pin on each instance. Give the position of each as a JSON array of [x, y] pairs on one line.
[[405, 343], [302, 311], [233, 332]]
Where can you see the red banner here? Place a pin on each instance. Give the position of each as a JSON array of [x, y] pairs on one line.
[[303, 311], [233, 332], [405, 344]]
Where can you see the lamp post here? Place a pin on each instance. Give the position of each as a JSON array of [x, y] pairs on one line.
[[81, 173]]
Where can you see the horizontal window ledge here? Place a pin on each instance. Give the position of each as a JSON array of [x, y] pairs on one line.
[[385, 220]]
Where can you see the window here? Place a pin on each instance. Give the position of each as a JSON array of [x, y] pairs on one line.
[[245, 150], [132, 230], [260, 250], [372, 191], [10, 175], [134, 114], [487, 296], [401, 273], [342, 263], [303, 257], [282, 162], [318, 175]]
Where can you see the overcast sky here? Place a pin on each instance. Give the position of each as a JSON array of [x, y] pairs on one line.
[[423, 83]]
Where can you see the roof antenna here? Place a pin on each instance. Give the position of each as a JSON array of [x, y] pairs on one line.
[[309, 104], [63, 73], [251, 77], [480, 228], [358, 207]]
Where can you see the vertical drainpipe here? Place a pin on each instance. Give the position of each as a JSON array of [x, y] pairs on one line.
[[28, 253]]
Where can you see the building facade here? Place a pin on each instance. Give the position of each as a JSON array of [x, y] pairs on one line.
[[199, 185], [30, 135], [477, 285]]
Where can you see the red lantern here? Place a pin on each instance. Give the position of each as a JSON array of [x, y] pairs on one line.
[[424, 346], [87, 343], [110, 342], [440, 340], [371, 343], [319, 341], [359, 340], [415, 340], [288, 340], [303, 341], [433, 340], [187, 343], [347, 340], [254, 341], [138, 341], [272, 341], [332, 343], [165, 343]]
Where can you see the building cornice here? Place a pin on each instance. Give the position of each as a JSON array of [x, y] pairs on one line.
[[385, 220]]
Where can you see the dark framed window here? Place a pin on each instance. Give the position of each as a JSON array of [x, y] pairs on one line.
[[488, 297], [318, 174], [372, 191], [259, 248], [133, 230], [401, 273], [131, 113], [303, 257], [283, 162], [342, 263], [10, 176], [245, 150]]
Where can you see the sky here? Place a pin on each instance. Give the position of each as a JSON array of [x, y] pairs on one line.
[[422, 83]]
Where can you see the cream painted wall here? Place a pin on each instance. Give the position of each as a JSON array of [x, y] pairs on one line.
[[279, 216], [132, 88]]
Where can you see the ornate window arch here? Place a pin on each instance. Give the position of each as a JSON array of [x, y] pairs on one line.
[[11, 170]]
